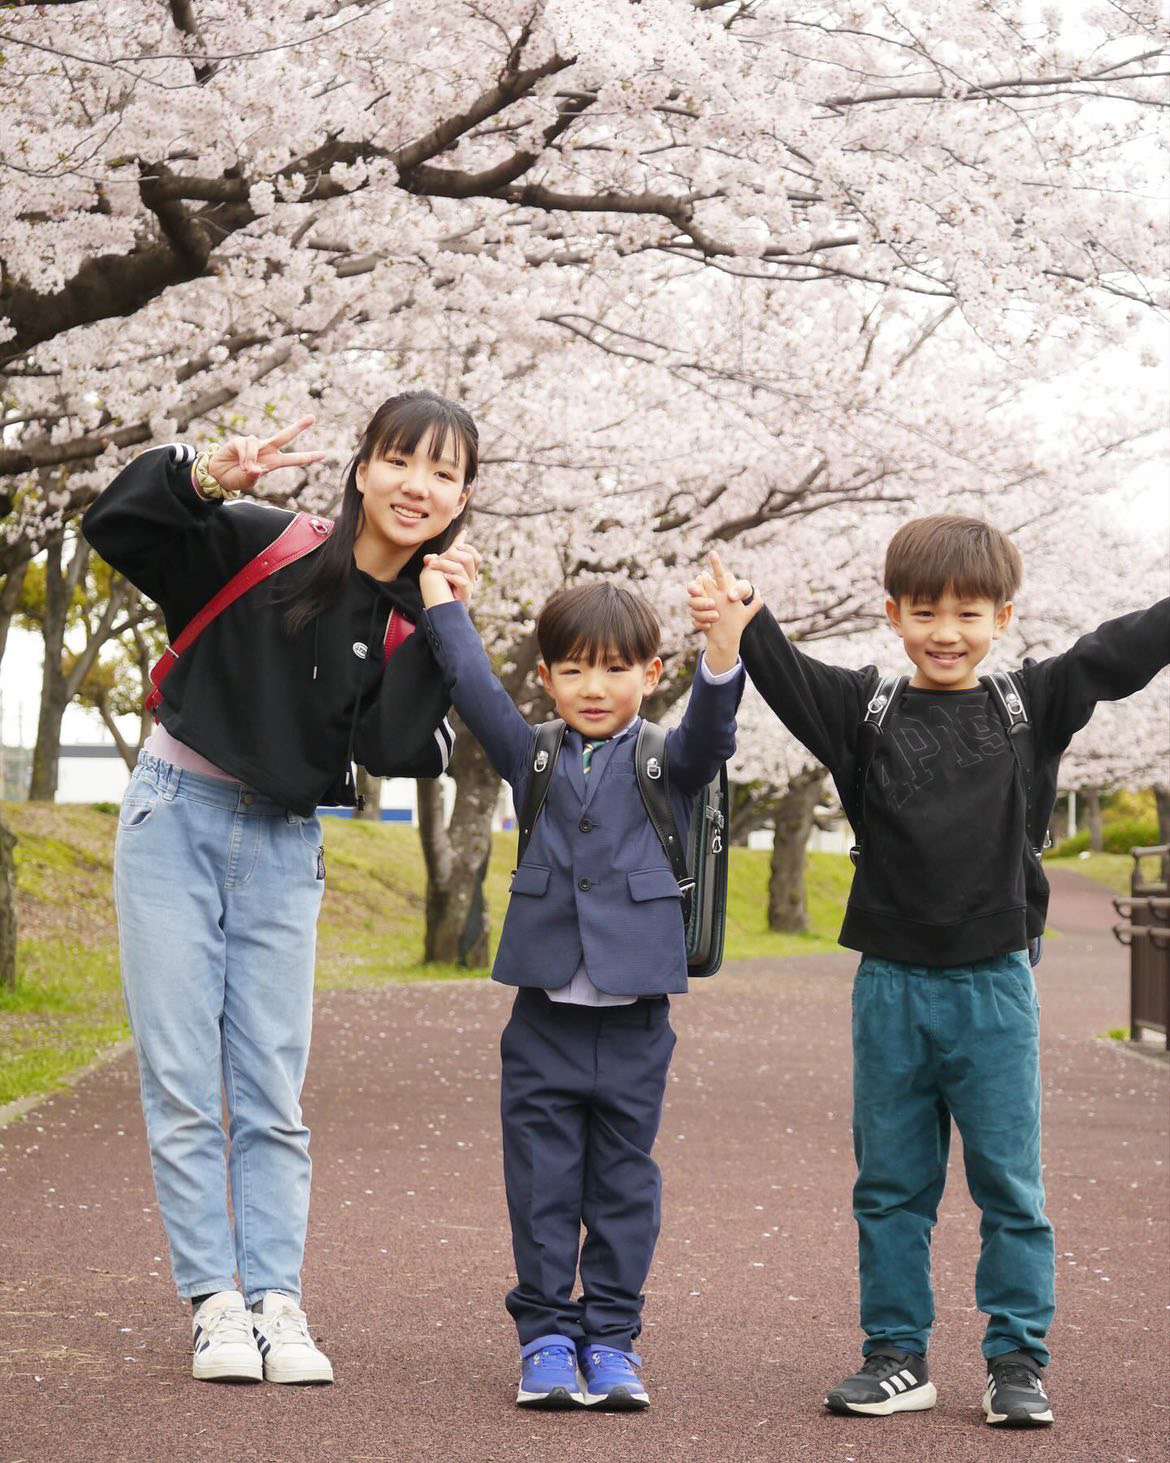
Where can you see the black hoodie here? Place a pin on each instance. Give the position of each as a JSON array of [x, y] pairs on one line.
[[273, 710]]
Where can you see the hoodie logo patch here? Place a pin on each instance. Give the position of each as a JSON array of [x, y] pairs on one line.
[[360, 649]]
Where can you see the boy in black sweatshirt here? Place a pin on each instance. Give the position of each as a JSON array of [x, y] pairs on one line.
[[948, 899]]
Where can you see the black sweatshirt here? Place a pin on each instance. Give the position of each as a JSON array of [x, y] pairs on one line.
[[272, 710], [947, 874]]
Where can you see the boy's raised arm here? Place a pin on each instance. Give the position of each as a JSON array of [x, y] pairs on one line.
[[820, 704], [488, 710], [1115, 660], [705, 738]]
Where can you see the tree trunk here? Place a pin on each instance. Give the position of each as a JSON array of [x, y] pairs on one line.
[[126, 750], [457, 858], [54, 697], [793, 823], [752, 807], [7, 909], [64, 674], [9, 600], [369, 788], [1092, 796], [1162, 799]]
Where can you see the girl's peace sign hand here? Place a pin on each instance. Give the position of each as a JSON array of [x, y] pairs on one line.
[[239, 463]]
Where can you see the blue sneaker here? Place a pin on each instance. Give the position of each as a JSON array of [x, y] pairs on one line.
[[548, 1374], [611, 1381]]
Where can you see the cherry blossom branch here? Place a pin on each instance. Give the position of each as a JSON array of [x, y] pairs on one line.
[[34, 456]]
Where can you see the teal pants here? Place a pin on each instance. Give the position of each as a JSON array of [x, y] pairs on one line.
[[933, 1043]]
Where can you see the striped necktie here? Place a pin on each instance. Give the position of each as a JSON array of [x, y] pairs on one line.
[[587, 754]]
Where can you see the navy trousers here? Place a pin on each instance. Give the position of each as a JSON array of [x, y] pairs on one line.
[[581, 1100]]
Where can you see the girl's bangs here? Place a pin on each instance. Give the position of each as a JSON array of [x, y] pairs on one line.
[[417, 424]]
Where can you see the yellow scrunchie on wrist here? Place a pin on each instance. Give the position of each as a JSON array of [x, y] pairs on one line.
[[206, 485]]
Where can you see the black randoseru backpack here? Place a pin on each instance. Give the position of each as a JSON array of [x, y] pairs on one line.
[[700, 868]]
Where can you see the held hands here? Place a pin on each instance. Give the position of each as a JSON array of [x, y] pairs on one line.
[[239, 463], [722, 607], [450, 575]]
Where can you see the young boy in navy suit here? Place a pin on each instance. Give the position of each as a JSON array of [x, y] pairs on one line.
[[594, 940]]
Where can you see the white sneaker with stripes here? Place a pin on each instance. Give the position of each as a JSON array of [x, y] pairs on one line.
[[888, 1381], [289, 1351], [224, 1346]]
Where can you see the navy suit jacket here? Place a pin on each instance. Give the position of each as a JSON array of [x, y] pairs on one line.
[[595, 882]]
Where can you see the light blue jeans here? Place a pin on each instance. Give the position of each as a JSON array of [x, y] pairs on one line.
[[932, 1044], [218, 891]]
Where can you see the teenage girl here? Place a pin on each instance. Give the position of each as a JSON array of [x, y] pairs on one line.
[[219, 867]]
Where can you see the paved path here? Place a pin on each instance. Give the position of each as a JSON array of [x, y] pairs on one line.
[[752, 1301]]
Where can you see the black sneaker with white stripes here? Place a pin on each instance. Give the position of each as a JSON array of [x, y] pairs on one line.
[[889, 1381], [1015, 1395]]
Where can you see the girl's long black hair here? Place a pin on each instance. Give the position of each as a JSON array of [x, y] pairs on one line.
[[399, 424]]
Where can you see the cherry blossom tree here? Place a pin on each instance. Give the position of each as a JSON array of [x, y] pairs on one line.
[[707, 273]]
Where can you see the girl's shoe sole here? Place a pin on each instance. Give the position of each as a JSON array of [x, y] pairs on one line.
[[919, 1399], [227, 1373]]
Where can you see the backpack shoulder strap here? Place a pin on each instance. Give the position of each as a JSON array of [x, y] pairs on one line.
[[304, 533], [654, 785], [545, 754], [1007, 696], [885, 694], [888, 689]]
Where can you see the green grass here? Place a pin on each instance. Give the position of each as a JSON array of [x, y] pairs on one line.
[[1111, 869], [748, 935], [67, 1009]]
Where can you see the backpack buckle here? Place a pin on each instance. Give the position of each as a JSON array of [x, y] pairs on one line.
[[877, 704], [653, 769], [717, 844], [1014, 704], [541, 761]]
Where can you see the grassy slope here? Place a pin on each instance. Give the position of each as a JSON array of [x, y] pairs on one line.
[[68, 1007], [1111, 869]]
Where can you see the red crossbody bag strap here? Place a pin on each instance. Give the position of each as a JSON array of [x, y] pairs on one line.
[[305, 533], [398, 632]]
